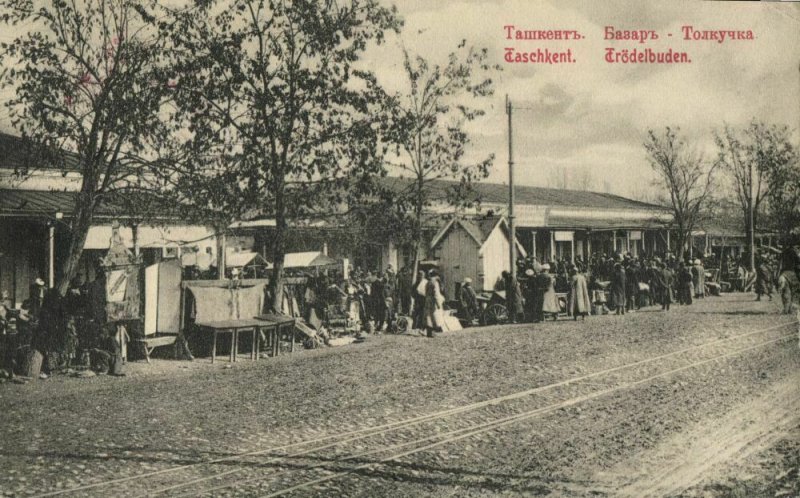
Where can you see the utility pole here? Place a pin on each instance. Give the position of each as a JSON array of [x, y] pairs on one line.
[[751, 237], [513, 234]]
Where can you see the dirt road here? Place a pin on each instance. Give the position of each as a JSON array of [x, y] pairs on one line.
[[700, 401]]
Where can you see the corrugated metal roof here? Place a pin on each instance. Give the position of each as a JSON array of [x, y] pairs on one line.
[[47, 203], [536, 196], [601, 224], [19, 154], [36, 202]]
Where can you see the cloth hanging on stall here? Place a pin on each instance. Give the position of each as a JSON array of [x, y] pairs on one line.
[[221, 303]]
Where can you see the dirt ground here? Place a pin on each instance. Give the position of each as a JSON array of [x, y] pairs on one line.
[[715, 427]]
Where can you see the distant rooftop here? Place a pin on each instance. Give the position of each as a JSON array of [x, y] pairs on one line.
[[497, 193], [35, 203], [18, 154]]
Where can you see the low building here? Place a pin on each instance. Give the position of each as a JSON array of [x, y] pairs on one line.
[[36, 208], [562, 224], [477, 248]]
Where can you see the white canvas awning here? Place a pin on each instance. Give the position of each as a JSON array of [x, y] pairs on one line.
[[99, 236], [245, 258], [308, 259]]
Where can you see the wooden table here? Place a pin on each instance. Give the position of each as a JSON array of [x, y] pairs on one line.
[[233, 327], [279, 323]]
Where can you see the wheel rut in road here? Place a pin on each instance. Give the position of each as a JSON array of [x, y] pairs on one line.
[[706, 450]]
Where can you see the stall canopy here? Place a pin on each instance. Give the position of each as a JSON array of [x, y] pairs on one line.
[[244, 259], [310, 259]]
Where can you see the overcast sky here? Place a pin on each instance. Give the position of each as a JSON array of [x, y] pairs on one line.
[[591, 115]]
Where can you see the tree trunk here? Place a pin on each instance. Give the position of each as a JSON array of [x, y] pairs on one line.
[[680, 242], [80, 229], [748, 229], [417, 242], [278, 254]]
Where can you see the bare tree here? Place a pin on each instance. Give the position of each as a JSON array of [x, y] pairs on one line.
[[429, 130], [686, 177], [758, 159]]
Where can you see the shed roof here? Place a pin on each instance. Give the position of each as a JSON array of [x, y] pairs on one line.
[[478, 229]]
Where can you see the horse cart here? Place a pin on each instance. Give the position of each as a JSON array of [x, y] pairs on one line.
[[493, 307]]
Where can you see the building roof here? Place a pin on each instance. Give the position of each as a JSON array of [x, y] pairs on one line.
[[480, 229], [38, 203], [577, 222], [497, 193], [19, 154], [477, 228]]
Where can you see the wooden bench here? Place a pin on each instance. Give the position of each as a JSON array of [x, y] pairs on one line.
[[151, 342]]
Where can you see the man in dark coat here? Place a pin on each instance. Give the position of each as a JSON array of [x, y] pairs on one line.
[[541, 282], [618, 286], [468, 301], [378, 298], [684, 284], [529, 295], [632, 285], [667, 278], [404, 290], [656, 281]]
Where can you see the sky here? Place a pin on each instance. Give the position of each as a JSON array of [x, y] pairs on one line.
[[591, 117]]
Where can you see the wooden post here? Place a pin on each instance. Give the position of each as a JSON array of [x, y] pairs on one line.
[[51, 256], [552, 246], [221, 256], [533, 235], [572, 249], [513, 234], [135, 235]]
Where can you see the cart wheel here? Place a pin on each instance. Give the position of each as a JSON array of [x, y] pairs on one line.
[[495, 314], [403, 324]]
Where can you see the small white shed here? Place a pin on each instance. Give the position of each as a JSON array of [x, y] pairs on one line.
[[475, 248]]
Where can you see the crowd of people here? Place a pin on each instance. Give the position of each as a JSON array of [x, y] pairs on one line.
[[625, 283], [377, 298], [600, 284], [597, 285], [66, 331]]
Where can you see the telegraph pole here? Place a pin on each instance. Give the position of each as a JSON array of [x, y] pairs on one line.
[[513, 237], [751, 237]]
